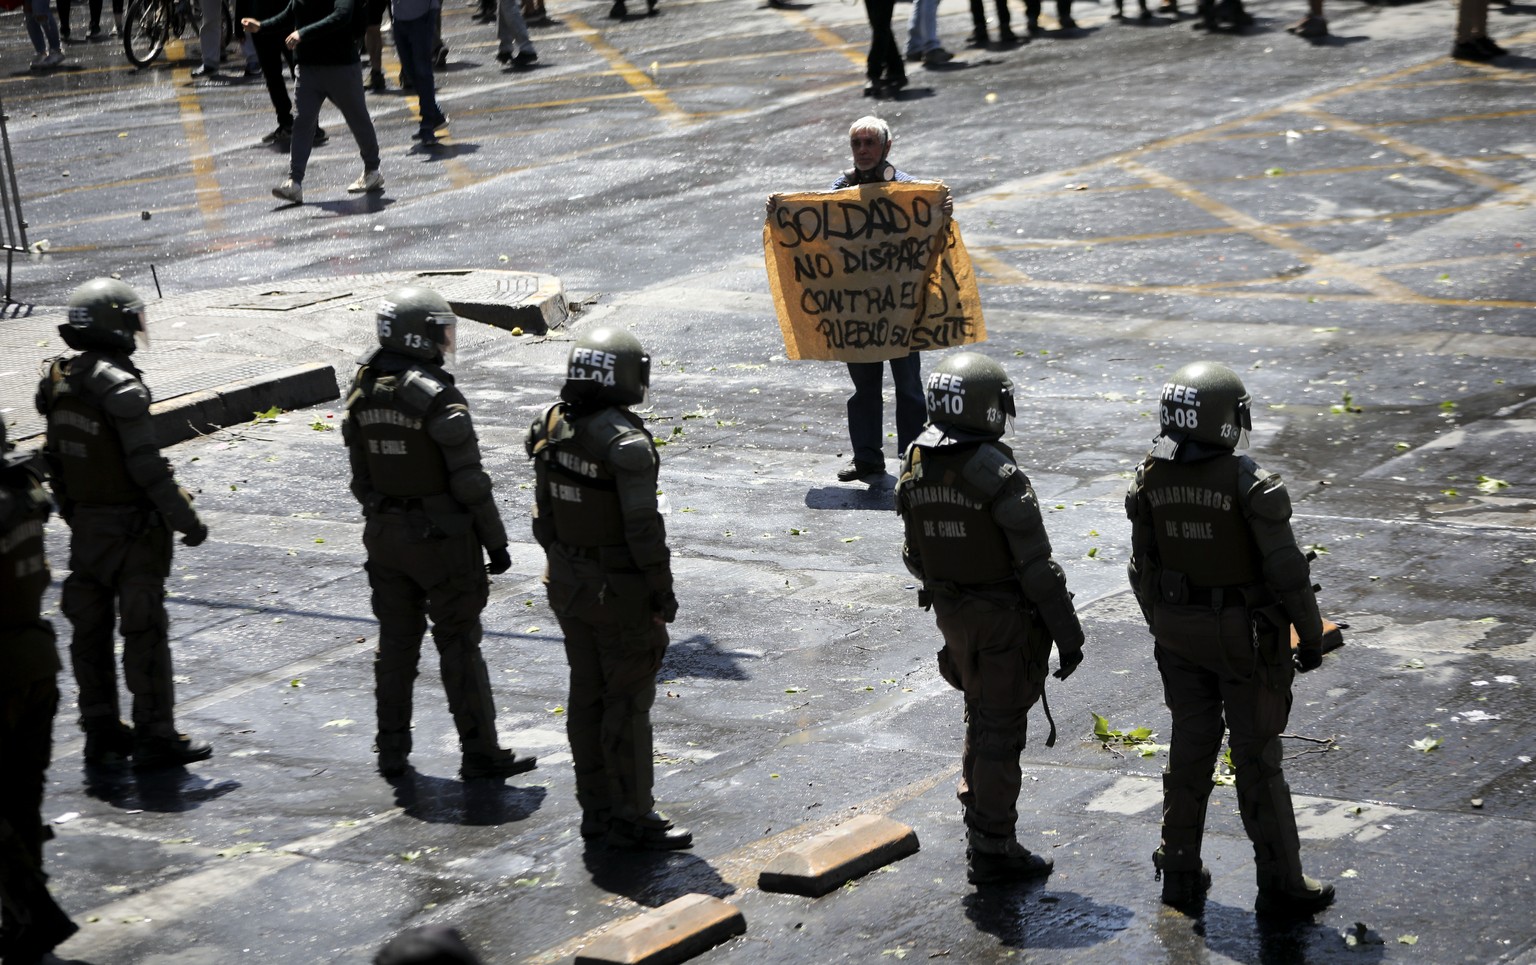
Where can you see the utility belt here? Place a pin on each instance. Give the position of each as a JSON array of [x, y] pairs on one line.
[[435, 517], [435, 503], [613, 558], [137, 518]]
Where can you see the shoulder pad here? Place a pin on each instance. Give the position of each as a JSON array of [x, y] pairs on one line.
[[632, 452], [989, 469], [416, 390], [1262, 491], [122, 395], [367, 357], [451, 426]]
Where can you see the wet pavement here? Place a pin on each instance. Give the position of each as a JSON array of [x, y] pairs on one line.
[[1348, 223]]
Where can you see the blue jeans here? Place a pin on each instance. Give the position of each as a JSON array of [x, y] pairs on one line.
[[923, 27], [511, 29], [866, 409], [42, 27], [413, 41]]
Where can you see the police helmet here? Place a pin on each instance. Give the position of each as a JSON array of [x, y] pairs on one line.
[[970, 391], [607, 365], [105, 315], [1206, 402], [418, 322]]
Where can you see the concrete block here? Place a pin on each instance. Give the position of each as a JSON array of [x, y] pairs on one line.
[[675, 932], [838, 855], [193, 414]]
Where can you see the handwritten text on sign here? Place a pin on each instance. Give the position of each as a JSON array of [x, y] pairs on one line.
[[870, 273]]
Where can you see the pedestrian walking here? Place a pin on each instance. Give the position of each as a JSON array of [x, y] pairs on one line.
[[414, 22], [883, 68], [1472, 40], [609, 578], [120, 499], [975, 539], [32, 921], [429, 516], [1221, 582], [320, 34], [43, 31]]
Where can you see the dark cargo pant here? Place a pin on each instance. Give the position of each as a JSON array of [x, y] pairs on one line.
[[1219, 676], [26, 746], [995, 653], [119, 558], [614, 647], [414, 575]]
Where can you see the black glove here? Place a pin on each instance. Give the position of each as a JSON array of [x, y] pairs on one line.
[[1069, 661], [1309, 658], [501, 560], [665, 603], [195, 535]]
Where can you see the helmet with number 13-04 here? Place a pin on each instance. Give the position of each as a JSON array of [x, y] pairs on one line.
[[105, 315], [418, 322], [607, 365], [970, 391], [1206, 402]]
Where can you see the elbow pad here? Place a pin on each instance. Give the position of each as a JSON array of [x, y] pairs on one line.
[[1046, 587], [451, 427], [174, 504], [470, 486]]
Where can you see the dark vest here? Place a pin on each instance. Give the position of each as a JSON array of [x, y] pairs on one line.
[[86, 455], [403, 460], [952, 521], [583, 495], [23, 567], [1199, 524]]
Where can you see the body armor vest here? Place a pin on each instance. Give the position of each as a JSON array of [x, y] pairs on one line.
[[1199, 524], [583, 495], [403, 460], [87, 457], [952, 521], [23, 567]]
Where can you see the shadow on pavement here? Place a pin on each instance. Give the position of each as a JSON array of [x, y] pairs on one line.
[[440, 800], [1029, 916], [698, 656], [653, 878], [166, 791], [875, 496]]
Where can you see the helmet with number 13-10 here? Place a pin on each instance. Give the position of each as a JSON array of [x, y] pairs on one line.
[[1206, 402], [418, 322], [970, 391]]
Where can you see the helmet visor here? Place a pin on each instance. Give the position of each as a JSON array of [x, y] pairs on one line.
[[444, 330], [141, 332]]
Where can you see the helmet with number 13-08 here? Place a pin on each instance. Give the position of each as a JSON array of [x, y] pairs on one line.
[[1206, 402], [969, 391], [418, 322]]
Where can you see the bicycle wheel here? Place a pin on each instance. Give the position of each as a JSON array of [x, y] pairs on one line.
[[146, 24]]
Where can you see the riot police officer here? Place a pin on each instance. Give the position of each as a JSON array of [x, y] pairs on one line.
[[29, 695], [416, 471], [1217, 572], [975, 539], [609, 578], [121, 501]]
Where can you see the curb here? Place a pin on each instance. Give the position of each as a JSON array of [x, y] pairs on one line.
[[675, 932], [198, 413], [838, 855]]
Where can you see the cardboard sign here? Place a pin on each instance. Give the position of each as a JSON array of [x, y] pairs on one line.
[[870, 273]]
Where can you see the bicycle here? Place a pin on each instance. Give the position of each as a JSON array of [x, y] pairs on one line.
[[149, 24]]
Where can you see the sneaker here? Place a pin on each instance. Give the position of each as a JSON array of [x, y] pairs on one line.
[[1067, 23], [108, 743], [858, 470], [937, 56], [151, 753], [1006, 36], [376, 81], [618, 11], [503, 57], [54, 59], [40, 61], [914, 55], [990, 859], [320, 137], [1292, 901], [290, 190], [280, 135], [653, 832], [500, 765], [525, 58], [1309, 27], [203, 70], [367, 181]]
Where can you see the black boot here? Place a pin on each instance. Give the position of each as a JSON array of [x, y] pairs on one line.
[[650, 832], [1184, 888], [992, 858], [178, 750], [499, 765], [1270, 820], [108, 742]]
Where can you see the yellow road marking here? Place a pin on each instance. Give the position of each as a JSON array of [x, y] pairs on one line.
[[826, 35], [1360, 275], [210, 199], [636, 78]]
